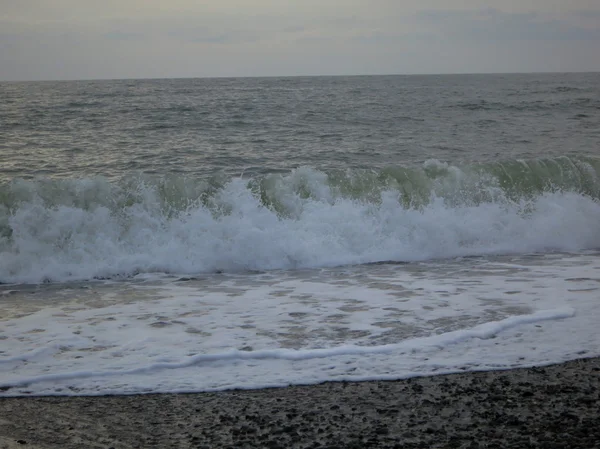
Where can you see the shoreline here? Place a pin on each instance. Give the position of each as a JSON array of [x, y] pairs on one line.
[[555, 406]]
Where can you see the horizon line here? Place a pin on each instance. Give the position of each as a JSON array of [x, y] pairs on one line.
[[50, 80]]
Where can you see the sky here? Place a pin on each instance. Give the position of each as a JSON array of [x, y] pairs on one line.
[[98, 39]]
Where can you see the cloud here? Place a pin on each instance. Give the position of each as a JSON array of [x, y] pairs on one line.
[[380, 37], [492, 24], [294, 29], [588, 13], [122, 36], [212, 36]]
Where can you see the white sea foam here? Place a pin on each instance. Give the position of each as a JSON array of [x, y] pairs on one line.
[[280, 328], [483, 331], [71, 242]]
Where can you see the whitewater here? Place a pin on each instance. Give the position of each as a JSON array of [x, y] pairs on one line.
[[57, 231], [155, 279]]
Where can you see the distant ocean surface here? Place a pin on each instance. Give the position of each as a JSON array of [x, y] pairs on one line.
[[206, 234]]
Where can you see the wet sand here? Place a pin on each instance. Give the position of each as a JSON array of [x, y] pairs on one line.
[[551, 407]]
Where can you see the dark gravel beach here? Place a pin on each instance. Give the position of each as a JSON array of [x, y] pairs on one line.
[[551, 407]]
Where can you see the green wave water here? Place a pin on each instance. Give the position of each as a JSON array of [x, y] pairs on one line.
[[416, 186]]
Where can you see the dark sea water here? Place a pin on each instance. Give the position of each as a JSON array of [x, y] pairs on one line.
[[258, 126], [198, 234]]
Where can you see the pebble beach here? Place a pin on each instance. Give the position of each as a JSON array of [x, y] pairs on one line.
[[543, 407]]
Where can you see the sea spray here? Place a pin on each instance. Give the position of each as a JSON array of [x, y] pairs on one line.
[[77, 229]]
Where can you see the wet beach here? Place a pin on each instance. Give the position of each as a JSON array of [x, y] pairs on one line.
[[543, 407]]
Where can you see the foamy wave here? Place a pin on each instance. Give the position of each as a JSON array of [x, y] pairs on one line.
[[441, 341], [83, 229]]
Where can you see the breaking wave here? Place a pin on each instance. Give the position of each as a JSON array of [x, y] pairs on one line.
[[61, 230]]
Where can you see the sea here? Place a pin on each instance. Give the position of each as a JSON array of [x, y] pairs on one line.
[[191, 235]]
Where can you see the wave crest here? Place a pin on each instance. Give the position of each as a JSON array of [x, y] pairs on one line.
[[60, 230]]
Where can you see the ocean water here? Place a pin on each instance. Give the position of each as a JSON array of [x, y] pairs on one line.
[[209, 234]]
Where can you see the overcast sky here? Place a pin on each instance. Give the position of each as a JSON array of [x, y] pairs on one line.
[[83, 39]]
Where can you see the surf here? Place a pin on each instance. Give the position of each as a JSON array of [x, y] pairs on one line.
[[61, 230]]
